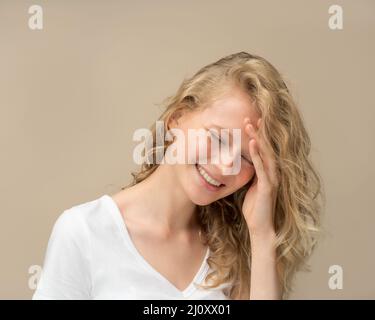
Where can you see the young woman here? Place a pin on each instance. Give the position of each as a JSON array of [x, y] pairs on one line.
[[188, 230]]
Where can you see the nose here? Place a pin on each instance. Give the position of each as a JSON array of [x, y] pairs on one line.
[[227, 160]]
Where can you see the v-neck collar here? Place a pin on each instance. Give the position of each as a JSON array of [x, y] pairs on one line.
[[199, 276]]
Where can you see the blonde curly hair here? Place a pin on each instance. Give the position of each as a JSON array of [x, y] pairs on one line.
[[297, 219]]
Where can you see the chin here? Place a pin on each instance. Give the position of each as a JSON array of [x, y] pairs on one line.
[[201, 202]]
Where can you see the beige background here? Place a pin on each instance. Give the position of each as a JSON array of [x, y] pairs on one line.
[[72, 94]]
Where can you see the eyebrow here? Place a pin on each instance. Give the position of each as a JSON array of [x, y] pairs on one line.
[[248, 157]]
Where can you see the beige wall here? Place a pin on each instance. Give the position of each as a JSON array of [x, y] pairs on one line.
[[72, 94]]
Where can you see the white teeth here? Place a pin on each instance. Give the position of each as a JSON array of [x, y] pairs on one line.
[[208, 178]]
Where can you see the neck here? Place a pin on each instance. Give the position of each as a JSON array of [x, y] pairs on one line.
[[167, 207]]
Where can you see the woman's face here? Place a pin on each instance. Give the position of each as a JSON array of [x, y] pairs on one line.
[[228, 113]]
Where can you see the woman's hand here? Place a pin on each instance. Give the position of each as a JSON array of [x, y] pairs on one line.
[[260, 200], [258, 209]]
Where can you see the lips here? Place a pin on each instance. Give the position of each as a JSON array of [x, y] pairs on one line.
[[210, 174]]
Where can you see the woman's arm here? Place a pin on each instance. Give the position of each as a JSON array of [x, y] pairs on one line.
[[264, 282]]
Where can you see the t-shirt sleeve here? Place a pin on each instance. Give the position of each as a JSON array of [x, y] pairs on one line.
[[66, 268]]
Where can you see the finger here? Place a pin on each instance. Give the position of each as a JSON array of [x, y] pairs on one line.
[[254, 135], [264, 149], [265, 153], [257, 161], [273, 174], [264, 146]]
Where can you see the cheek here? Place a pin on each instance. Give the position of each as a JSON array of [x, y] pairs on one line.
[[245, 175]]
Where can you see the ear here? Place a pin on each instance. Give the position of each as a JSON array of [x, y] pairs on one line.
[[174, 119]]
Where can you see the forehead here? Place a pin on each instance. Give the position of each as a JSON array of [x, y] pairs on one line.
[[230, 109]]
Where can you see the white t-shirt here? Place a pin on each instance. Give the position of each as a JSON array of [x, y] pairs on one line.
[[90, 255]]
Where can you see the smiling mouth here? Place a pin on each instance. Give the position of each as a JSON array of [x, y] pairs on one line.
[[210, 182]]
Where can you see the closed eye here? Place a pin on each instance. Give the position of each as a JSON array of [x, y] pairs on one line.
[[217, 138], [223, 142], [212, 134]]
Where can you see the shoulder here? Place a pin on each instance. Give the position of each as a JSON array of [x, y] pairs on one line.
[[78, 221], [67, 265]]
